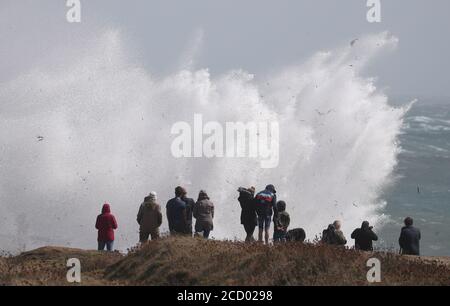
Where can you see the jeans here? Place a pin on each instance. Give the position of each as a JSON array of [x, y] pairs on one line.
[[264, 222], [109, 245], [279, 236]]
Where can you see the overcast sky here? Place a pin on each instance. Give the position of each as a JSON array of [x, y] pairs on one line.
[[256, 35]]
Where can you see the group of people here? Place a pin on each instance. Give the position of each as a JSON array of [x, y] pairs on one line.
[[364, 236], [257, 210], [180, 211]]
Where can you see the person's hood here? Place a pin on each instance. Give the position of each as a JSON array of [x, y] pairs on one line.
[[365, 225], [106, 209], [331, 227], [203, 195]]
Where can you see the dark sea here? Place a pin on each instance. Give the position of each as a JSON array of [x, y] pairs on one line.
[[422, 188]]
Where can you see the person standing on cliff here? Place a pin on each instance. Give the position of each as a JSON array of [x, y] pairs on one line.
[[176, 213], [149, 218], [266, 207], [248, 213], [106, 224], [204, 214], [281, 223], [409, 238]]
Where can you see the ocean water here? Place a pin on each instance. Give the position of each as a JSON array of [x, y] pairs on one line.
[[422, 187]]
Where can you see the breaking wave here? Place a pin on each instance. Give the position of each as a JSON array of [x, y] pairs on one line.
[[99, 130]]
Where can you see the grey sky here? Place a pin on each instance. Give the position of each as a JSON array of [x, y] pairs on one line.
[[256, 35]]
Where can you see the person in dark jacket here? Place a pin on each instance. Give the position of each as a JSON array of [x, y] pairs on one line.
[[248, 213], [149, 218], [176, 213], [281, 223], [189, 210], [266, 206], [204, 214], [364, 236], [106, 224], [409, 238]]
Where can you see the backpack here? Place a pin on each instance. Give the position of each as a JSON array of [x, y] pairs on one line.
[[297, 234]]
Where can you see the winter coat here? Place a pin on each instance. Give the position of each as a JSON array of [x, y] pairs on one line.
[[204, 214], [248, 212], [282, 221], [176, 215], [106, 224], [149, 216], [266, 203], [410, 240], [363, 238]]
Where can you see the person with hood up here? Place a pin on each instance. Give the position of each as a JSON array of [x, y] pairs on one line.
[[281, 223], [204, 214], [176, 213], [149, 218], [409, 238], [266, 206], [106, 224], [248, 213], [363, 237]]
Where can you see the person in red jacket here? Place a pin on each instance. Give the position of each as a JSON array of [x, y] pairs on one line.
[[106, 224]]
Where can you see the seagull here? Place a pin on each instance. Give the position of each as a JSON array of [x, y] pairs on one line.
[[353, 42], [327, 113], [40, 138]]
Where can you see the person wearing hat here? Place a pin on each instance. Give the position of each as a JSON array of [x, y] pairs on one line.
[[149, 218], [266, 207], [364, 237], [204, 214]]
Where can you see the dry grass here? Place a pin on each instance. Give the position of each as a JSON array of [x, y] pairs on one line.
[[47, 266], [187, 261]]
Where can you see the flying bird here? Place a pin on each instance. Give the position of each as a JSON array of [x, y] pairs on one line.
[[326, 113], [40, 138], [353, 42]]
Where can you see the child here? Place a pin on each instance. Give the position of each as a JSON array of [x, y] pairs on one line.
[[281, 222], [106, 224]]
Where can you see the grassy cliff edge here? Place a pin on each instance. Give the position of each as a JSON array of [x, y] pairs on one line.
[[189, 261]]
